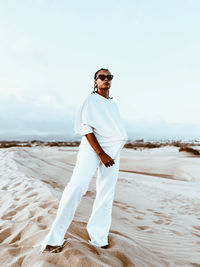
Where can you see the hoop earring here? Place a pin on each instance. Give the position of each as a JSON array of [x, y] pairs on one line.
[[109, 96], [94, 89]]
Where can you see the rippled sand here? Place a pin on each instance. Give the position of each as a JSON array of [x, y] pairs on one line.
[[155, 219]]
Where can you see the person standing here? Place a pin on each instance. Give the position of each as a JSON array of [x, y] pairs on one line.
[[99, 123]]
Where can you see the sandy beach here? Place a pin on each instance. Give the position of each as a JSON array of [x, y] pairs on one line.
[[155, 217]]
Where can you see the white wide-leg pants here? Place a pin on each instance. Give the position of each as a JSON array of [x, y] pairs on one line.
[[100, 220]]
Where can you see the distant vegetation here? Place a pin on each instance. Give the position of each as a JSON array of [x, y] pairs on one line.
[[153, 144], [136, 144], [190, 150], [183, 146], [6, 144]]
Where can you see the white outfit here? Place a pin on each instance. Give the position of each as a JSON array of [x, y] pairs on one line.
[[101, 116]]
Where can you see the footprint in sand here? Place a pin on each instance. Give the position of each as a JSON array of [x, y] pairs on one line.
[[5, 233], [9, 215], [89, 194], [13, 206], [4, 188], [176, 232], [42, 226], [159, 221], [15, 185], [51, 211], [139, 218], [31, 213], [28, 189], [16, 238], [125, 207], [124, 181], [22, 207], [44, 205], [143, 227], [198, 235], [196, 227], [163, 215], [14, 251], [140, 212], [40, 218], [32, 195]]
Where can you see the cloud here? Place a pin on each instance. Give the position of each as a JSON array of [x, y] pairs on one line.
[[20, 115], [45, 117], [157, 130]]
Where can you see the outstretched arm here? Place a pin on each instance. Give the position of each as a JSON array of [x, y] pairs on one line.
[[105, 158]]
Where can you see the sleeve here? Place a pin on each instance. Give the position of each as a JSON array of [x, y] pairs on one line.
[[81, 125]]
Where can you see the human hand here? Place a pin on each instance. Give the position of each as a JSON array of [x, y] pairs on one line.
[[106, 159]]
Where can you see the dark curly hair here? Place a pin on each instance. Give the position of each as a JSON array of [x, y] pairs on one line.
[[95, 89]]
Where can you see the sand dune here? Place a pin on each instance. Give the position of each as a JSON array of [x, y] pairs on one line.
[[156, 215]]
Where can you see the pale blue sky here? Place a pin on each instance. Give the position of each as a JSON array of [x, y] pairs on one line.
[[50, 50]]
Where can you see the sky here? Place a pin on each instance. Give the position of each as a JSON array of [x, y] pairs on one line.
[[50, 50]]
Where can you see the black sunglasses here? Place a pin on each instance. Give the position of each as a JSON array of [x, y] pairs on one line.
[[102, 77]]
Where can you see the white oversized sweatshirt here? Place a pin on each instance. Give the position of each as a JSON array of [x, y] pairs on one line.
[[101, 116]]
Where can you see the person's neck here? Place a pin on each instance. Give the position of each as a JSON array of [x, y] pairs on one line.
[[103, 93]]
